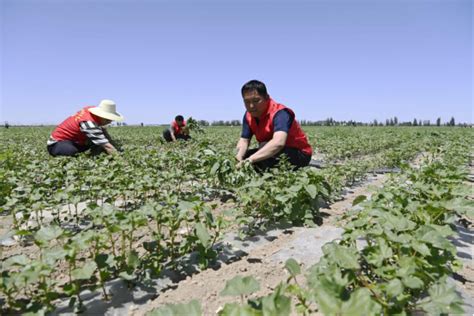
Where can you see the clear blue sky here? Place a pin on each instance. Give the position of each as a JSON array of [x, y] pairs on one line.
[[359, 60]]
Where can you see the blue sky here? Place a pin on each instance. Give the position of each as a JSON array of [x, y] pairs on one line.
[[359, 60]]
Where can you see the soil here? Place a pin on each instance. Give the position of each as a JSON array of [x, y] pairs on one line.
[[465, 278]]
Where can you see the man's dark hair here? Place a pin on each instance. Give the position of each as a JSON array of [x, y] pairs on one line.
[[257, 86], [179, 118]]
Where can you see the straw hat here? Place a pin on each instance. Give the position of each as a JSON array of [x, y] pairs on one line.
[[106, 109]]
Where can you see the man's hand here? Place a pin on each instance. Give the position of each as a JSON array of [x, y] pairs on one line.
[[241, 148], [241, 163], [109, 149]]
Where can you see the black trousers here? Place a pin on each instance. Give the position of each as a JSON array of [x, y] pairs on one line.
[[70, 148], [66, 148], [167, 136], [295, 156]]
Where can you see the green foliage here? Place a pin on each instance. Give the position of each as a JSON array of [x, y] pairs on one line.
[[134, 214], [240, 286], [192, 308]]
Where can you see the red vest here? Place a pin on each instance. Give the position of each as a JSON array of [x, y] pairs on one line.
[[70, 129], [263, 131], [176, 128]]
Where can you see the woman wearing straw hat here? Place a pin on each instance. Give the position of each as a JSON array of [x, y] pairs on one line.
[[84, 130]]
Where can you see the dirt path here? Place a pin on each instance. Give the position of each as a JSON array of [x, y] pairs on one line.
[[464, 279], [265, 263]]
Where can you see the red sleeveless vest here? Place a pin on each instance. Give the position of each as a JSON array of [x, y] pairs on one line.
[[263, 131], [70, 129], [176, 128]]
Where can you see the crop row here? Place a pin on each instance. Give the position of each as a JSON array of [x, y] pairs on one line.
[[394, 257]]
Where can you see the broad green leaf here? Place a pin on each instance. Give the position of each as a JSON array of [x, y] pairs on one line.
[[399, 223], [214, 168], [359, 199], [361, 303], [431, 236], [444, 230], [312, 191], [412, 282], [276, 304], [385, 250], [192, 308], [85, 272], [18, 260], [293, 267], [407, 266], [240, 286], [461, 206], [202, 234], [421, 248], [327, 302], [133, 260], [237, 310], [442, 299], [126, 276], [185, 206], [46, 234], [345, 257], [394, 288], [295, 188], [52, 255]]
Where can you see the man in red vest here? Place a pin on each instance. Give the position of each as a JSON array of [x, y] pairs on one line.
[[85, 130], [275, 128], [177, 130]]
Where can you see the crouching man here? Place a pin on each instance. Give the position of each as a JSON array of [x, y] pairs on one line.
[[177, 130], [275, 128]]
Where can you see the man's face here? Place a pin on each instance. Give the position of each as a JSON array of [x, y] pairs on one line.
[[180, 123], [255, 104], [104, 121]]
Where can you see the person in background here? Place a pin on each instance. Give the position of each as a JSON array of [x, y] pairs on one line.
[[177, 130], [275, 128], [85, 130]]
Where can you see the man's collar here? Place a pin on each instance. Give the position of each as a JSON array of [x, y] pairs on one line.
[[267, 111]]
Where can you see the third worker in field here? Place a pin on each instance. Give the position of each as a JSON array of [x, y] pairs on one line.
[[275, 128], [177, 130]]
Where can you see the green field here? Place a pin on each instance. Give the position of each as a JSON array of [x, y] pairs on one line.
[[80, 222]]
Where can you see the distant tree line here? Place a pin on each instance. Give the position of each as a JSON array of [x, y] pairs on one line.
[[219, 123], [393, 121]]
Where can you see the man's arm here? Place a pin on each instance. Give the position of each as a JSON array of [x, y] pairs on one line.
[[173, 137], [273, 147], [96, 134], [282, 122], [242, 147], [108, 147], [244, 141]]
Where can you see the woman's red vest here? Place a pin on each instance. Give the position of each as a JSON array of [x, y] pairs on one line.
[[263, 131], [70, 129], [176, 128]]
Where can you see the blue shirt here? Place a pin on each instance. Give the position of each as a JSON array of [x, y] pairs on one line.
[[281, 123]]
